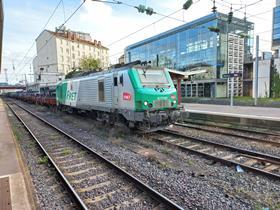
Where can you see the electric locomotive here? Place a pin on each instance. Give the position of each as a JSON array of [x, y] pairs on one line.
[[144, 97]]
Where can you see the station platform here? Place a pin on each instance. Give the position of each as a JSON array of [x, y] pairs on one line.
[[13, 190], [263, 117]]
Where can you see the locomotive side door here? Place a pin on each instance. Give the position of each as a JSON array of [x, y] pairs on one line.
[[115, 90]]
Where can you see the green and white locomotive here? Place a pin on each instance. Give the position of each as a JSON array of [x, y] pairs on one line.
[[141, 96]]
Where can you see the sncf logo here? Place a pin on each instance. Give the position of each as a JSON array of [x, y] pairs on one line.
[[126, 96]]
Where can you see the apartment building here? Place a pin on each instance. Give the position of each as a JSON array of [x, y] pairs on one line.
[[61, 51]]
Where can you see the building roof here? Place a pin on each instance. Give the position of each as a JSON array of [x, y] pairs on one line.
[[71, 37], [185, 74], [186, 26]]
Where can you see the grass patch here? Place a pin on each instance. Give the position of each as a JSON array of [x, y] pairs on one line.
[[166, 151], [43, 160], [161, 164], [53, 137], [17, 134], [190, 162], [66, 152]]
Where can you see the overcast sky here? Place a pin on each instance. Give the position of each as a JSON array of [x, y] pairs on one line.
[[25, 19]]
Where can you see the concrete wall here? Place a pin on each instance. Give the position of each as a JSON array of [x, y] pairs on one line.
[[263, 79], [221, 90]]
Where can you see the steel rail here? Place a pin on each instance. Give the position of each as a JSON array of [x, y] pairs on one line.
[[229, 134], [219, 159], [229, 147], [66, 182], [234, 128], [153, 193]]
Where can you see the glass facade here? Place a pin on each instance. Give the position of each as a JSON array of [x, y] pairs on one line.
[[184, 50], [193, 46], [276, 28]]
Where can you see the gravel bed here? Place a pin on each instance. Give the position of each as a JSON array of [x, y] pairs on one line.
[[191, 181], [111, 193], [49, 191], [229, 140]]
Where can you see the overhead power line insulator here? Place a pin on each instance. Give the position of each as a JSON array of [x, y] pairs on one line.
[[230, 16], [149, 11], [141, 8], [188, 4]]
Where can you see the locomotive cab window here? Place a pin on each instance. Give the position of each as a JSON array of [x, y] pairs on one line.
[[152, 77], [101, 93]]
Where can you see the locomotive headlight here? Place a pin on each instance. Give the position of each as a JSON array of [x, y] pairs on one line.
[[145, 103], [174, 102]]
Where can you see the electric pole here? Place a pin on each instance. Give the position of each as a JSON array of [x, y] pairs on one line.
[[257, 70], [6, 75]]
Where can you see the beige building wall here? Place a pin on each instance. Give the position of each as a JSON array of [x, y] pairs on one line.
[[57, 56]]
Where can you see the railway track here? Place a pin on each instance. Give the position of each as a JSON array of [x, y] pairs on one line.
[[94, 181], [256, 162], [242, 134], [195, 123]]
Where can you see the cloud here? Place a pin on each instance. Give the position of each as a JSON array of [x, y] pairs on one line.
[[95, 12]]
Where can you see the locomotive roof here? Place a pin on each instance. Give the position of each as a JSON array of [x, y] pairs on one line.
[[116, 70]]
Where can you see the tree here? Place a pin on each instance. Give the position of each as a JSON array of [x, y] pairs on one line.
[[89, 63], [276, 84]]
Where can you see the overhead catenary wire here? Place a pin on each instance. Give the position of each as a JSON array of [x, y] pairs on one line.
[[33, 43], [244, 7], [151, 24], [52, 35], [144, 27]]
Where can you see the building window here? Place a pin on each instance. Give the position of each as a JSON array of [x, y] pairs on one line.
[[73, 48], [78, 46], [83, 46], [61, 41], [74, 64], [62, 59], [101, 90], [73, 56], [79, 53], [61, 49], [67, 51]]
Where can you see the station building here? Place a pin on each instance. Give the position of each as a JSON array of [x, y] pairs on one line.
[[276, 28], [209, 43]]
